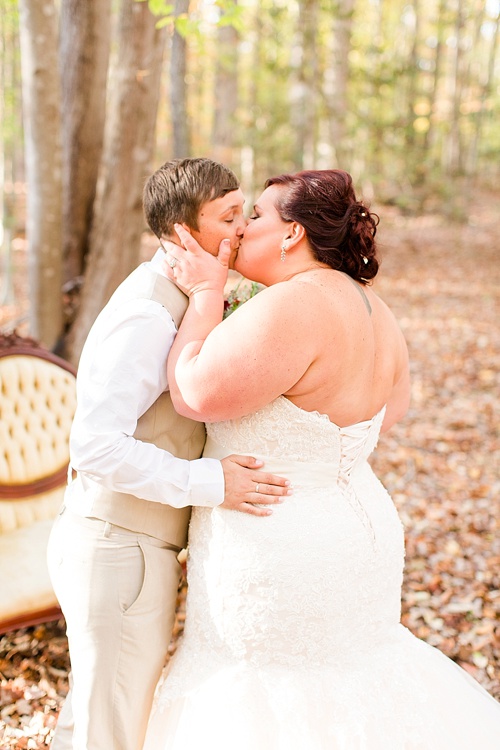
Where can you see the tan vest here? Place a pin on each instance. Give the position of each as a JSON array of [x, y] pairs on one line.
[[160, 425]]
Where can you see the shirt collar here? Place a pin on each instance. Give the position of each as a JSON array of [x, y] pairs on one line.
[[156, 262]]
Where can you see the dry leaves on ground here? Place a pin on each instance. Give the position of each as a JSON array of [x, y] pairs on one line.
[[441, 465]]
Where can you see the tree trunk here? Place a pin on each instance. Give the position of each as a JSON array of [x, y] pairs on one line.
[[453, 154], [129, 142], [337, 79], [181, 147], [226, 97], [84, 55], [413, 73], [304, 90], [431, 135], [42, 133], [9, 107], [369, 159], [250, 110], [486, 90]]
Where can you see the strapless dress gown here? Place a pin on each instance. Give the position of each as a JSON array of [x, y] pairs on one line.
[[293, 638]]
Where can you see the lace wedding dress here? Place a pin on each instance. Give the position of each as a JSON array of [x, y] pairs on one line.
[[292, 637]]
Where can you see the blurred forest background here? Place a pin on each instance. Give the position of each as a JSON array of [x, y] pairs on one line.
[[403, 94], [97, 94]]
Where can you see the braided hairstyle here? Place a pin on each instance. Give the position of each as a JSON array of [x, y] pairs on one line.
[[340, 229]]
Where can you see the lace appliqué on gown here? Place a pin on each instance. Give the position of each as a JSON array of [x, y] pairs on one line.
[[292, 637]]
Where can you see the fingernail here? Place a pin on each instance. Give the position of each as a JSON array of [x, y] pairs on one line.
[[287, 483], [290, 491]]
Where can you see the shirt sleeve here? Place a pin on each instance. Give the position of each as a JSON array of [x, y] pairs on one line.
[[122, 372]]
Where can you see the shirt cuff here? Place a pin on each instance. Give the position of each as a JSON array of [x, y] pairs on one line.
[[206, 482]]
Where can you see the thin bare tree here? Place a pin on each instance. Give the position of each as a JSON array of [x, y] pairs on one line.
[[336, 86], [304, 88], [42, 134], [84, 55], [453, 151], [181, 143], [226, 95]]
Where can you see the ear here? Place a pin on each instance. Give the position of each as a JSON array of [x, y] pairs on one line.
[[176, 236], [294, 235], [188, 229]]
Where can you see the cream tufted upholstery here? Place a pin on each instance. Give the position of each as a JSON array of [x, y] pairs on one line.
[[37, 403]]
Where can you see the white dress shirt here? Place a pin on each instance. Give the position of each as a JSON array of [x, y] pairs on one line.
[[122, 372]]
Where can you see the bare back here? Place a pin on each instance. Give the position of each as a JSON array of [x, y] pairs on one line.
[[361, 353]]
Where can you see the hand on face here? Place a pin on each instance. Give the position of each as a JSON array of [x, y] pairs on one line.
[[192, 268]]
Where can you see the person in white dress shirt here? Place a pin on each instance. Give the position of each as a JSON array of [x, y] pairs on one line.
[[113, 549]]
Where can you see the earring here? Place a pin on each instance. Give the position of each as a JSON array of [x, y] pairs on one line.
[[283, 253]]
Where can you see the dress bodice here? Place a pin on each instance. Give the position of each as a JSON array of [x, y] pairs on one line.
[[282, 430], [319, 524]]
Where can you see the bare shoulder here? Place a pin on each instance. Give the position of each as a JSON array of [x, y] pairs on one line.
[[387, 314], [286, 299], [282, 321], [390, 331]]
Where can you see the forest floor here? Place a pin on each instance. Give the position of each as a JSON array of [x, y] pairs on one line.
[[441, 464]]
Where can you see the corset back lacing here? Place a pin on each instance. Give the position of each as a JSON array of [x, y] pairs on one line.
[[351, 451]]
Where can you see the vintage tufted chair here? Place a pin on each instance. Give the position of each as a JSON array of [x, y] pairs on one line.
[[37, 403]]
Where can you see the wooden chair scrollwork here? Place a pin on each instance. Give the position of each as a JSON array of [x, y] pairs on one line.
[[37, 404]]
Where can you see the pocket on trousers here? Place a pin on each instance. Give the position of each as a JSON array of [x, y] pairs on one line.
[[133, 592]]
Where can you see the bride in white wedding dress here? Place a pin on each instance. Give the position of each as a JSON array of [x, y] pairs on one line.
[[293, 638]]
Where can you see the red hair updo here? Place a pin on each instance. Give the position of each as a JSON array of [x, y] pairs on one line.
[[340, 229]]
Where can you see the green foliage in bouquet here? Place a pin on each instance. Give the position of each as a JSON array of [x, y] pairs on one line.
[[240, 294]]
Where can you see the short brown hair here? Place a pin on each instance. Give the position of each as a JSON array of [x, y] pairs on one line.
[[178, 189]]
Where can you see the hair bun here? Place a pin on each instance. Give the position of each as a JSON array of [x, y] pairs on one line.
[[340, 229]]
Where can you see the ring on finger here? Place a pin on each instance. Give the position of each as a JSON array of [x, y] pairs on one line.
[[172, 262], [257, 487]]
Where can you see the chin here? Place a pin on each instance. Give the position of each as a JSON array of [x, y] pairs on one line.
[[237, 268], [246, 274]]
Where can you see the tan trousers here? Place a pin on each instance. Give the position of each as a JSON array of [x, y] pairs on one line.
[[117, 591]]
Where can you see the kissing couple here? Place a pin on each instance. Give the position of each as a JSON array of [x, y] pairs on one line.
[[256, 431]]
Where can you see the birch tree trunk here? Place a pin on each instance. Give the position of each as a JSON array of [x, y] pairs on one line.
[[42, 134], [129, 142], [226, 97], [181, 147], [84, 55]]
